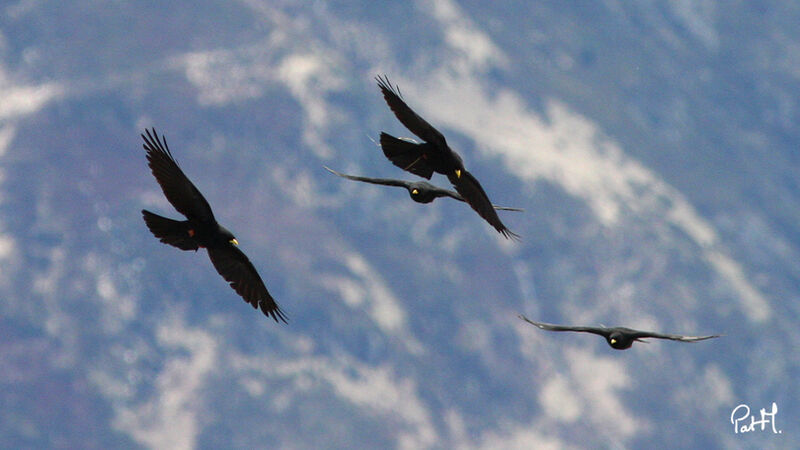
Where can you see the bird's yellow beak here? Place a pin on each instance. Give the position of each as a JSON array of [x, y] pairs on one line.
[[458, 173], [613, 341], [234, 242], [414, 191]]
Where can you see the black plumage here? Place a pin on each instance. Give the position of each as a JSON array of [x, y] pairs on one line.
[[620, 338], [201, 229], [433, 155], [419, 191]]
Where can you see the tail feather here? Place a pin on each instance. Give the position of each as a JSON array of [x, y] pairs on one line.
[[170, 231], [406, 155]]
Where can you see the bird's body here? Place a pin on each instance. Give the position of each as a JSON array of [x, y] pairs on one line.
[[201, 229], [189, 234], [421, 158], [419, 191], [619, 338], [433, 155]]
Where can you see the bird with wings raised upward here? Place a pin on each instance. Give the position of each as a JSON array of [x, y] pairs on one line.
[[433, 155], [201, 229]]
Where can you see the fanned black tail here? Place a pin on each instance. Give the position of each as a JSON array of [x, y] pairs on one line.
[[170, 231], [406, 155]]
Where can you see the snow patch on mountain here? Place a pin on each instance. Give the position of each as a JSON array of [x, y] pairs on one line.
[[377, 389], [169, 418]]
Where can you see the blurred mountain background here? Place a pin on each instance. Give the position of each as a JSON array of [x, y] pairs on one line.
[[653, 146]]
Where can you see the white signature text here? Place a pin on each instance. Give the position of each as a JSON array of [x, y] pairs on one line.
[[741, 413]]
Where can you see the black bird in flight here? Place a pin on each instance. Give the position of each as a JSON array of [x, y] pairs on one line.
[[201, 229], [420, 191], [619, 338], [433, 155]]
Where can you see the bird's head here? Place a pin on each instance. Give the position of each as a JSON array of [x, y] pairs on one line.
[[458, 164], [619, 341], [420, 192], [228, 236]]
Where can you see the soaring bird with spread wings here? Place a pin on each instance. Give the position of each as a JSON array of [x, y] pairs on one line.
[[433, 155], [201, 230], [420, 191], [619, 338]]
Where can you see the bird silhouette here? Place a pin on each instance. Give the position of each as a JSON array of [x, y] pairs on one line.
[[619, 338], [201, 229], [419, 191]]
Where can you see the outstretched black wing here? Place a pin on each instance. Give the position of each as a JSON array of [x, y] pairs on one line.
[[236, 269], [637, 334], [381, 181], [180, 192], [407, 116], [507, 208], [469, 188], [551, 327]]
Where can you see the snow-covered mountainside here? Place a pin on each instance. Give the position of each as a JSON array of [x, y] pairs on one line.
[[653, 146]]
